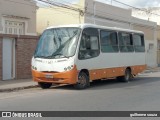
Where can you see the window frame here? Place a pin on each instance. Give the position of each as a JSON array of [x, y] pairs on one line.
[[117, 40], [142, 40], [98, 38], [131, 38]]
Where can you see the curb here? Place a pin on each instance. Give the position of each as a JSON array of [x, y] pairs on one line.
[[151, 71], [18, 88]]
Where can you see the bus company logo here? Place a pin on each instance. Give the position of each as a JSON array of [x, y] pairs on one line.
[[22, 115], [6, 114]]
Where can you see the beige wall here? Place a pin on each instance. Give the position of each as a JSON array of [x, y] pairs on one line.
[[54, 16], [148, 27], [149, 32], [20, 8]]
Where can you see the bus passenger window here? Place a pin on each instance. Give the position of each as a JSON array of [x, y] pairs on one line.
[[138, 43], [89, 45], [109, 41], [125, 42]]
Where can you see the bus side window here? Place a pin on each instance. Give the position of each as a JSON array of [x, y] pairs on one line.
[[125, 42], [109, 42], [89, 45], [138, 43]]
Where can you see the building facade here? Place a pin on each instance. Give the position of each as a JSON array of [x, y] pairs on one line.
[[18, 17], [102, 14], [17, 38], [151, 15]]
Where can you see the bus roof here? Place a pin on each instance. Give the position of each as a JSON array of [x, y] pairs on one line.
[[82, 26]]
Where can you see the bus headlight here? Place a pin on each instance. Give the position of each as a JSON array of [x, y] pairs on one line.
[[68, 68], [65, 69], [34, 68]]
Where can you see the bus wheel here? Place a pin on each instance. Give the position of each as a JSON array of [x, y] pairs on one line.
[[44, 85], [126, 77], [83, 81]]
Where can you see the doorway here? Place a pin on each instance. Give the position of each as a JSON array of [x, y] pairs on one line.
[[8, 59]]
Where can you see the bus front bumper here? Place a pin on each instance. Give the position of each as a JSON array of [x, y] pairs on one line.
[[67, 77]]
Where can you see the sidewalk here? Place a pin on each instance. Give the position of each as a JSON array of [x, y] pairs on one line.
[[13, 85], [150, 70]]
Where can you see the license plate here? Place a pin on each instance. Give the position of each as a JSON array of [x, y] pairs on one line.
[[49, 76]]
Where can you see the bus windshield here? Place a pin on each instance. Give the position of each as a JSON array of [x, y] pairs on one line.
[[57, 43]]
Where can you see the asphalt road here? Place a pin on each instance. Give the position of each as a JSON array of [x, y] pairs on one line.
[[140, 94]]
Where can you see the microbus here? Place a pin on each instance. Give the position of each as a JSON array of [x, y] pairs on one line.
[[79, 54]]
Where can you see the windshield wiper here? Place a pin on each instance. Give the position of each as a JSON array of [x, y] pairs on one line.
[[58, 54], [62, 46], [61, 55], [38, 56]]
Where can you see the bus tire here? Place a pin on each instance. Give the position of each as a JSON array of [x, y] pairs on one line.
[[83, 81], [126, 77], [44, 85]]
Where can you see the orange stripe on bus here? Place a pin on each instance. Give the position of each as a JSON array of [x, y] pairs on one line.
[[114, 72]]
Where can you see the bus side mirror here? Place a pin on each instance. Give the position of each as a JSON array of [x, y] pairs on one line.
[[40, 36]]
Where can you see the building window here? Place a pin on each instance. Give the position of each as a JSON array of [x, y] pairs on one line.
[[109, 42], [12, 27], [10, 30], [15, 30]]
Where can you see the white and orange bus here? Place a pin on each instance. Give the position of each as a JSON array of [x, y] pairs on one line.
[[79, 54]]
